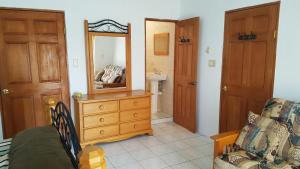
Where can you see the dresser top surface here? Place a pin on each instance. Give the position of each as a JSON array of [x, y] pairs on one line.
[[113, 96]]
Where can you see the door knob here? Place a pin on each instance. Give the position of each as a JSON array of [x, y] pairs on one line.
[[225, 88], [5, 91]]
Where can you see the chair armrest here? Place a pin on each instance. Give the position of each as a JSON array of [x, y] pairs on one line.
[[222, 140], [92, 157]]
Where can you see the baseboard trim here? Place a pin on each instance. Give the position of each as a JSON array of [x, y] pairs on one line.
[[164, 120]]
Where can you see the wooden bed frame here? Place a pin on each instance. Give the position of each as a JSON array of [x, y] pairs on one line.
[[223, 141], [92, 157]]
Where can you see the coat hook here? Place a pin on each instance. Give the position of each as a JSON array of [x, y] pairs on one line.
[[252, 36], [241, 36]]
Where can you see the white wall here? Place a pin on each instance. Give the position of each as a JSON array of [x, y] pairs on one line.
[[103, 53], [133, 11], [109, 50], [287, 81], [120, 52]]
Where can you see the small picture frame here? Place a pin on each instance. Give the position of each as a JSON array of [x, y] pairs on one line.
[[161, 44]]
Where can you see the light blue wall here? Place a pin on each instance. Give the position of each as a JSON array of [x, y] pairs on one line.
[[212, 27], [133, 11], [287, 78], [287, 81]]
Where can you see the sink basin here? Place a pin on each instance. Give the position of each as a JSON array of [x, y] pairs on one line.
[[156, 76]]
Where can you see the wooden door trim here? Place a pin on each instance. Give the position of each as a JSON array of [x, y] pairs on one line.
[[224, 50], [161, 20], [32, 9], [254, 6], [66, 54], [145, 35]]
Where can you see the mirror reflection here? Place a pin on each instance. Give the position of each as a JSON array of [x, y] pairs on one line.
[[109, 54]]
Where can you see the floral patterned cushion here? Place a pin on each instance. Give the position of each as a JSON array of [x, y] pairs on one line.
[[111, 72], [288, 113], [277, 108], [235, 160], [262, 136], [245, 160]]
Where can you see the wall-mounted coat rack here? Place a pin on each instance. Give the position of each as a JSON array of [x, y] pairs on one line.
[[184, 39], [244, 36]]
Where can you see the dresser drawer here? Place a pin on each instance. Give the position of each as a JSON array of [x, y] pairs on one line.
[[134, 126], [100, 107], [138, 103], [100, 120], [100, 132], [133, 115]]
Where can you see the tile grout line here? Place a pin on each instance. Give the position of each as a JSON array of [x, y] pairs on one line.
[[167, 127]]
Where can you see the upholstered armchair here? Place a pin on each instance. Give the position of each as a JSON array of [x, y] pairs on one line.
[[268, 141]]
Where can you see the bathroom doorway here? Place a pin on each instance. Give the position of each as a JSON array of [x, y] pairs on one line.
[[159, 70]]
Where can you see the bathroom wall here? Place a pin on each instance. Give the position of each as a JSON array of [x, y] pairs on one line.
[[165, 64]]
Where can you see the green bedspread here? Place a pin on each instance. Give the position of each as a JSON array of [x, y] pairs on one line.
[[38, 148]]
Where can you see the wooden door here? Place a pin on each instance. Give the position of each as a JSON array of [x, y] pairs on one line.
[[33, 67], [185, 80], [248, 63]]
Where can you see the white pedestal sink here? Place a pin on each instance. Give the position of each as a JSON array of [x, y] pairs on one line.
[[155, 78]]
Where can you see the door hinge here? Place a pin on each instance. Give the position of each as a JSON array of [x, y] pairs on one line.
[[275, 34]]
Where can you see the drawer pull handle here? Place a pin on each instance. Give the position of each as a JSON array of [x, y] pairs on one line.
[[101, 107], [101, 119], [135, 115], [101, 132], [134, 126]]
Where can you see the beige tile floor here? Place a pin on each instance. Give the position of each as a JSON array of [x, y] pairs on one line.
[[161, 115], [171, 147]]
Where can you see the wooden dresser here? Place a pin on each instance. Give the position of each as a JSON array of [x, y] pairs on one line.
[[112, 117]]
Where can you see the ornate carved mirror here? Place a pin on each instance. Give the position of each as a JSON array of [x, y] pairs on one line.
[[108, 48]]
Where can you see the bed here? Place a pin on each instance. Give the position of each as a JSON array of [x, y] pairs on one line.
[[50, 147]]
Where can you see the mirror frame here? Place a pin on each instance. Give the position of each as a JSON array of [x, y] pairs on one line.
[[90, 58]]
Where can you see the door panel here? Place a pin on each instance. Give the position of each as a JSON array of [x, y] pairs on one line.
[[255, 106], [14, 26], [44, 117], [258, 65], [248, 65], [48, 57], [185, 80], [236, 62], [18, 56], [233, 111], [45, 27], [33, 67], [21, 113]]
